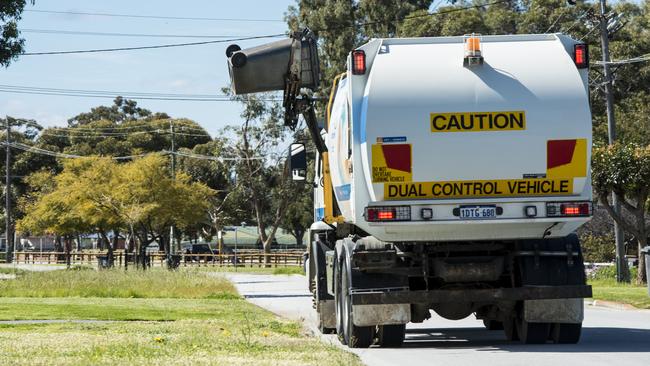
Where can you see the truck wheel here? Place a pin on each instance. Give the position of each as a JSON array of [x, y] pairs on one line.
[[566, 333], [533, 333], [391, 335], [316, 284], [491, 324], [354, 336], [338, 304], [510, 330]]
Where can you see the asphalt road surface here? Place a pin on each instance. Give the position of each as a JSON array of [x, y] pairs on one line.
[[610, 337]]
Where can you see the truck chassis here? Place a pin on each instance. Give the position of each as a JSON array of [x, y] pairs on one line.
[[367, 290]]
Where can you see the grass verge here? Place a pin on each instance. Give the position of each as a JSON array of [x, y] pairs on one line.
[[184, 342], [116, 283], [610, 290], [157, 317], [290, 270]]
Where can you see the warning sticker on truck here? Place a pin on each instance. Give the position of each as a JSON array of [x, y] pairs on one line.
[[391, 163], [479, 188], [478, 121]]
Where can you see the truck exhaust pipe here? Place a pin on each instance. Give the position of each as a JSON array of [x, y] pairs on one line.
[[291, 62]]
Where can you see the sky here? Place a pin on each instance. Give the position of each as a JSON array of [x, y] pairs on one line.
[[184, 70]]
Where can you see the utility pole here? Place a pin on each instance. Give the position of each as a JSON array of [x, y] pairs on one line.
[[8, 237], [171, 130], [171, 251], [622, 273]]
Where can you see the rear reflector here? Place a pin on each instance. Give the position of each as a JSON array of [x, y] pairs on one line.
[[388, 213], [568, 209], [358, 62], [581, 55]]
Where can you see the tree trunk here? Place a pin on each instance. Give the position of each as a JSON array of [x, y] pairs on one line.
[[58, 247], [116, 238], [299, 233], [642, 276], [109, 247], [68, 248]]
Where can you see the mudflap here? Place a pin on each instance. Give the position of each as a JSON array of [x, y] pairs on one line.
[[390, 314], [327, 315], [374, 314], [554, 311]]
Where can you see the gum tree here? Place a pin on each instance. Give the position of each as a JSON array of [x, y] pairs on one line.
[[624, 170]]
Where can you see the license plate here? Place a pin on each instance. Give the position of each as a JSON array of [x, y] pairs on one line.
[[478, 212]]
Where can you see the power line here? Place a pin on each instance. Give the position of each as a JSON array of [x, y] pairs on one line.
[[113, 92], [642, 58], [90, 134], [143, 16], [110, 34], [112, 96], [453, 10], [562, 13], [146, 124], [37, 150], [437, 13], [170, 45]]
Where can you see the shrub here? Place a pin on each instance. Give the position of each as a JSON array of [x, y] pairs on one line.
[[609, 273], [600, 249]]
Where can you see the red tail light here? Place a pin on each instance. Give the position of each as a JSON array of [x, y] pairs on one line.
[[581, 55], [388, 213], [568, 209], [358, 62]]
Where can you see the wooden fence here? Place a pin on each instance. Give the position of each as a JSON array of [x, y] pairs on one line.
[[243, 259]]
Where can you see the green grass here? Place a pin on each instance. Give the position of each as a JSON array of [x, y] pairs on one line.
[[288, 271], [215, 342], [116, 283], [70, 308], [256, 270], [610, 290], [11, 270], [155, 317]]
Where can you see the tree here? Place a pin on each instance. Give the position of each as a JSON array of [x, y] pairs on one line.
[[23, 162], [381, 18], [122, 110], [97, 195], [624, 170], [11, 45], [300, 213], [261, 181]]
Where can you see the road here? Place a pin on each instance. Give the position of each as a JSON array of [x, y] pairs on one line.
[[610, 337]]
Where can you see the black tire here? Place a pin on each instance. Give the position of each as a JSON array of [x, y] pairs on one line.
[[391, 335], [315, 286], [510, 330], [355, 337], [566, 333], [338, 304], [491, 324], [533, 333]]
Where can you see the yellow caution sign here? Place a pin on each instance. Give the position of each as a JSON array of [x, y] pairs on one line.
[[478, 188], [478, 121]]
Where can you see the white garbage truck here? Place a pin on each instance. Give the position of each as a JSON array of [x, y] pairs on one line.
[[451, 175]]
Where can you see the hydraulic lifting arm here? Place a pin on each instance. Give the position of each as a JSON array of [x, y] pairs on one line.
[[290, 65]]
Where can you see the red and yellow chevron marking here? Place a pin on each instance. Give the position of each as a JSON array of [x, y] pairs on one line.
[[391, 163], [566, 158]]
